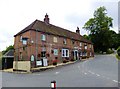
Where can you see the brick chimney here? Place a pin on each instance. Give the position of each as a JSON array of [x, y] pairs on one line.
[[46, 19], [78, 31]]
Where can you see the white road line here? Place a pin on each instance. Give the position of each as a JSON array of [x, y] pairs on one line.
[[78, 66], [57, 72], [92, 73], [85, 73], [115, 81], [97, 74]]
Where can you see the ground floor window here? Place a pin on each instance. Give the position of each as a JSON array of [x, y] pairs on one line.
[[55, 51], [65, 53], [90, 54]]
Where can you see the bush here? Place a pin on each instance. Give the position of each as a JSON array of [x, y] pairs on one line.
[[72, 60], [118, 51], [64, 61], [84, 57], [118, 57], [109, 51]]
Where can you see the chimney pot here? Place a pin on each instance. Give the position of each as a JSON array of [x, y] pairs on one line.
[[46, 19], [78, 31]]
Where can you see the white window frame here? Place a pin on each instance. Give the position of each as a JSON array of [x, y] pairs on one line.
[[64, 41], [90, 54], [64, 52], [24, 42], [43, 37], [20, 38], [86, 47], [56, 52], [80, 44], [55, 39]]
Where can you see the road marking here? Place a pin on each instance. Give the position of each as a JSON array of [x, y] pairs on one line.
[[85, 73], [118, 82], [92, 73], [78, 66], [97, 74], [115, 81], [57, 72]]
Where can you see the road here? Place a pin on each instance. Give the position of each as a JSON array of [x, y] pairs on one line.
[[102, 71]]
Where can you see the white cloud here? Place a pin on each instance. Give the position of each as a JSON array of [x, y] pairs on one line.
[[17, 14]]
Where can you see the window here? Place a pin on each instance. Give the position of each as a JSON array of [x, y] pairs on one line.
[[55, 51], [20, 38], [55, 39], [65, 53], [24, 42], [43, 38], [80, 53], [64, 41], [90, 54], [80, 44], [73, 42], [85, 47]]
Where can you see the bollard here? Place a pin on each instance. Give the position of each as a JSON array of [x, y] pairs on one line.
[[53, 84]]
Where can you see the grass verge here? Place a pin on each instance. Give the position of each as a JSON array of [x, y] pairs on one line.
[[118, 57]]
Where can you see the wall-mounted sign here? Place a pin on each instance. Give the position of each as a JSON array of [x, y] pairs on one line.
[[39, 63]]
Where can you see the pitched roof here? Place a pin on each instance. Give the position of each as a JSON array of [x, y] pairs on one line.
[[9, 54], [52, 29]]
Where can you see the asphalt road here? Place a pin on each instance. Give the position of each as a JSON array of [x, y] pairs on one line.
[[102, 71]]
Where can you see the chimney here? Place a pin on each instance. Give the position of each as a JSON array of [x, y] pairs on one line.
[[46, 19], [78, 31]]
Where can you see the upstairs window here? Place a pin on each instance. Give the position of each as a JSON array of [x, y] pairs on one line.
[[43, 37], [80, 43], [85, 47], [21, 38], [73, 42], [24, 41], [55, 39], [65, 53], [64, 41]]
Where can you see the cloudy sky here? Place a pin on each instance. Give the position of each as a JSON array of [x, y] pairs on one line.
[[17, 14]]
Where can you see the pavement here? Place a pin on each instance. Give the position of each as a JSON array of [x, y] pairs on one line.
[[38, 69], [100, 72]]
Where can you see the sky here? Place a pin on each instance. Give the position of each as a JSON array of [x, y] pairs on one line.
[[15, 15]]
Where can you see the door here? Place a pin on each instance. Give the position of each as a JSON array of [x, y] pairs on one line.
[[75, 54]]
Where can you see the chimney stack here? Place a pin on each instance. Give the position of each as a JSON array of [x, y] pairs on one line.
[[78, 31], [46, 19]]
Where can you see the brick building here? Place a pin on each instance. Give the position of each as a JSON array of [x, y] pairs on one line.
[[43, 41]]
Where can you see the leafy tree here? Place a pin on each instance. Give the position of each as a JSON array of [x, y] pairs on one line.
[[7, 49], [99, 27], [86, 36]]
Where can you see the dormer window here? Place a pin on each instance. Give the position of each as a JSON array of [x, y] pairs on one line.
[[64, 41], [55, 39], [43, 37], [24, 41]]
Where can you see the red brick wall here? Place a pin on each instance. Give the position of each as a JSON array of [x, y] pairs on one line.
[[30, 48]]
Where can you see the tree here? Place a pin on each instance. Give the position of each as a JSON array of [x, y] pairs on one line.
[[99, 28], [7, 49]]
